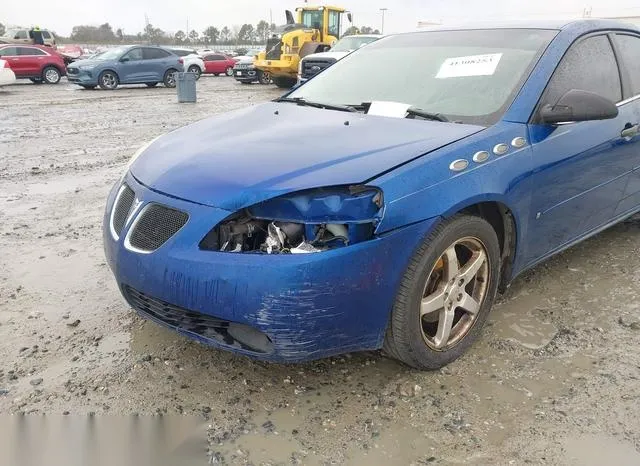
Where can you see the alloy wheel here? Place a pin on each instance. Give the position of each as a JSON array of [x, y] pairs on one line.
[[453, 293]]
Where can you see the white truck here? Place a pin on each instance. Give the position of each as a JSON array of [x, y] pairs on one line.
[[313, 64]]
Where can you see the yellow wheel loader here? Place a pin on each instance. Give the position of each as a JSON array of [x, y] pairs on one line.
[[316, 30]]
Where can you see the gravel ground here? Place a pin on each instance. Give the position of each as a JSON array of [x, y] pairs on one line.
[[553, 380]]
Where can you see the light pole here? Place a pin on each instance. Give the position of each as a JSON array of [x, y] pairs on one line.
[[383, 10]]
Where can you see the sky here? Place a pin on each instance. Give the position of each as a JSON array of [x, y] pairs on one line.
[[402, 15]]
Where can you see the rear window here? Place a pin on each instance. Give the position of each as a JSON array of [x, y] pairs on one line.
[[183, 53], [151, 54]]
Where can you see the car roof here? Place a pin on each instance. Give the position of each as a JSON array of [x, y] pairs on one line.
[[571, 25]]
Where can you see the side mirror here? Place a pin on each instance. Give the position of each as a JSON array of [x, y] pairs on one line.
[[578, 105], [350, 17], [125, 59]]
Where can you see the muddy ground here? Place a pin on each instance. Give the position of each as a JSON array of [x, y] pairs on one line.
[[554, 379]]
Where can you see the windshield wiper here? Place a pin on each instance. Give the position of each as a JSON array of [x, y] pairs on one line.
[[308, 103], [411, 112], [414, 111]]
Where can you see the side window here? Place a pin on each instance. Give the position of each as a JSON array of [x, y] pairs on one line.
[[46, 34], [133, 55], [30, 51], [629, 47], [215, 58], [8, 52], [22, 34], [154, 54], [334, 24], [589, 65]]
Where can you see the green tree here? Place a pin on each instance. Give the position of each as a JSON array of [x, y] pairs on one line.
[[180, 37], [225, 35], [194, 37], [262, 31], [120, 34], [351, 31], [211, 35], [368, 30], [247, 33]]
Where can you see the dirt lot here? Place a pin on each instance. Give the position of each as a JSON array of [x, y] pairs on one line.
[[554, 379]]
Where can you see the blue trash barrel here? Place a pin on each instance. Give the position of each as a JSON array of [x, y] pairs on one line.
[[186, 86]]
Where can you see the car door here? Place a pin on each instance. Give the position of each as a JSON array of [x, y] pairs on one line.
[[131, 67], [583, 167], [10, 54], [156, 62], [32, 60], [628, 49], [214, 64]]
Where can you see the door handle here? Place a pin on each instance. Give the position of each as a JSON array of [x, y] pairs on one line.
[[629, 131]]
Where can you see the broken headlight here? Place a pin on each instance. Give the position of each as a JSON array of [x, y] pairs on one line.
[[302, 222]]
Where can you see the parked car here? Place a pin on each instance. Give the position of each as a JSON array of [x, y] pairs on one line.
[[370, 210], [218, 63], [245, 71], [191, 60], [126, 65], [312, 64], [34, 62], [23, 36], [7, 76]]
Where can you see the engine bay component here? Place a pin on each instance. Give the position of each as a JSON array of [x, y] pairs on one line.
[[300, 223]]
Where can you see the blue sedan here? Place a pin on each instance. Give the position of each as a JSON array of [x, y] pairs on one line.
[[368, 210], [126, 65]]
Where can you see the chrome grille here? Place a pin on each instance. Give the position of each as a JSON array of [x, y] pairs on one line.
[[121, 209], [154, 226]]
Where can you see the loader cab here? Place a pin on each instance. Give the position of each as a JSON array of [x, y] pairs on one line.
[[327, 20]]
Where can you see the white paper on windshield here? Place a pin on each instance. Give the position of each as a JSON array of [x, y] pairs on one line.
[[473, 65], [388, 109]]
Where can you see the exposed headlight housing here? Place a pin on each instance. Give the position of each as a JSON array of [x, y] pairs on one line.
[[304, 222]]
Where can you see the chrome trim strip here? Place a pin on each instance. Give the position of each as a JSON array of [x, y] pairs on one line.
[[626, 101], [113, 210], [481, 156], [127, 242]]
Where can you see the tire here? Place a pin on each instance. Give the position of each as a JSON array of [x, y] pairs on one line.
[[229, 71], [169, 79], [51, 75], [284, 82], [151, 84], [414, 339], [264, 78], [108, 80], [195, 69], [90, 88]]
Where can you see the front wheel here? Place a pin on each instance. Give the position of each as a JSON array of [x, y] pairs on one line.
[[170, 78], [264, 78], [108, 80], [51, 75], [229, 71], [446, 294], [196, 70]]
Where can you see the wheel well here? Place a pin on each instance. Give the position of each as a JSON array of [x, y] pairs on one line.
[[501, 219]]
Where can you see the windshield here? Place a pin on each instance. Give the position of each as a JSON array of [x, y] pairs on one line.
[[468, 76], [352, 43], [312, 18], [112, 54]]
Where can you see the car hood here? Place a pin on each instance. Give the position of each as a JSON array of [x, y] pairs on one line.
[[86, 62], [237, 159]]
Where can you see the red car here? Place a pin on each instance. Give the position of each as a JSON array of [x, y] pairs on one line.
[[218, 63], [34, 62]]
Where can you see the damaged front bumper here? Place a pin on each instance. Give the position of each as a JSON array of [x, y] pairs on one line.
[[272, 307]]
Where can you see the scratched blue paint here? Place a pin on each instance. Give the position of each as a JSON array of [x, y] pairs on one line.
[[563, 185]]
